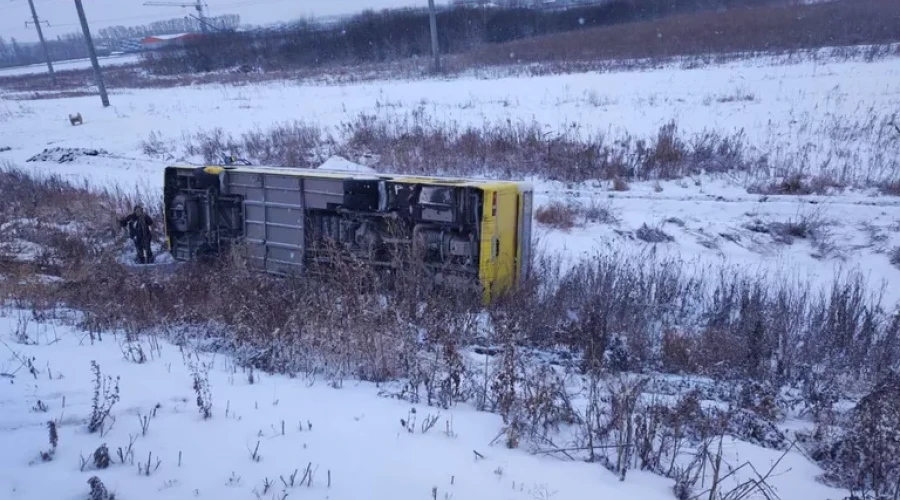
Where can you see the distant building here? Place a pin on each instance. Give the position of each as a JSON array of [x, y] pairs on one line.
[[130, 46], [539, 4], [474, 3], [167, 41]]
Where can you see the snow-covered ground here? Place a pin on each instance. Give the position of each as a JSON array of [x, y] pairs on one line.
[[105, 62], [810, 109], [812, 114], [818, 114], [809, 116], [350, 438], [809, 112], [716, 226]]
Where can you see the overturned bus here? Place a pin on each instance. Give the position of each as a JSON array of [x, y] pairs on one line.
[[288, 220]]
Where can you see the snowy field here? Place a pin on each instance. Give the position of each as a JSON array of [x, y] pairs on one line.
[[823, 115], [264, 429], [815, 113], [105, 62], [812, 117]]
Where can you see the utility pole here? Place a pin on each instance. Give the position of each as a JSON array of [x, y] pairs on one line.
[[432, 15], [197, 5], [98, 76], [37, 26], [201, 15]]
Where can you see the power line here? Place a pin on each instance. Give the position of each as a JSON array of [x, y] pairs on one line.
[[21, 4], [198, 5], [116, 19], [246, 2], [151, 17]]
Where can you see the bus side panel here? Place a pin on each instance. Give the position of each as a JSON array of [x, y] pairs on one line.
[[499, 234], [165, 208], [523, 257], [507, 234], [487, 265], [169, 187]]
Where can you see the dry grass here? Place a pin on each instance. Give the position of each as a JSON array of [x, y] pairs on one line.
[[525, 149], [798, 184], [63, 94], [619, 185], [418, 143], [890, 188], [894, 256], [652, 234], [294, 144], [80, 82], [565, 215], [810, 226], [557, 215]]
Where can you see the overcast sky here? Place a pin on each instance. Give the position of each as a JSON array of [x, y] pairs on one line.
[[63, 18]]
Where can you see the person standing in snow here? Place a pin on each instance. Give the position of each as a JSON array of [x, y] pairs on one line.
[[139, 224]]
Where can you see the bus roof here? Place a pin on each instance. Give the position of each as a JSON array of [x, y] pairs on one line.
[[349, 174]]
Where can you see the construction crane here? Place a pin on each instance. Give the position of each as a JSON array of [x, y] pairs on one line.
[[198, 5]]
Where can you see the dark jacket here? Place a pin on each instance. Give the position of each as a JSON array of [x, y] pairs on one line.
[[138, 227]]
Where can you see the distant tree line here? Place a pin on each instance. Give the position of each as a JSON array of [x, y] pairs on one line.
[[115, 36], [106, 40], [15, 53], [398, 34]]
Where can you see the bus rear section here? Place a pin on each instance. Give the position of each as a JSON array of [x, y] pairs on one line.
[[501, 243]]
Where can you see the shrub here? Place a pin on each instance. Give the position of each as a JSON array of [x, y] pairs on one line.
[[678, 352], [106, 395], [154, 146], [201, 388], [797, 184], [891, 188], [601, 213], [619, 185], [809, 226], [867, 459], [98, 490], [652, 234], [557, 215], [101, 457], [48, 455]]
